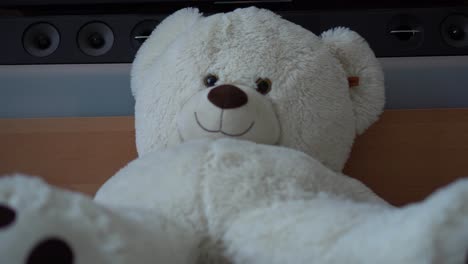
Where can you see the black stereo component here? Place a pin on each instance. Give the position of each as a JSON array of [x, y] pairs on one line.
[[41, 39], [141, 31], [95, 38], [114, 38], [454, 30], [73, 39]]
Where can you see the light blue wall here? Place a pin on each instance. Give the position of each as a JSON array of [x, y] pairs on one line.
[[426, 82], [65, 90], [104, 89]]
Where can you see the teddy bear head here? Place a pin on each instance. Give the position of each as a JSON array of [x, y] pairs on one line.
[[249, 74]]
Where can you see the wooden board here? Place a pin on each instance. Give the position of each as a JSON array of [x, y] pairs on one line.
[[403, 157], [75, 153], [409, 153]]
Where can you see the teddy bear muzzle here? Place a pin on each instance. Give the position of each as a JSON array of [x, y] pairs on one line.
[[228, 110]]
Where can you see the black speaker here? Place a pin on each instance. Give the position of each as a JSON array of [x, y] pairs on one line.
[[115, 38], [95, 39], [406, 31], [454, 30], [141, 32], [41, 39]]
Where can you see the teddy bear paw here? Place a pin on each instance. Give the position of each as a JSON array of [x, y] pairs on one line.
[[42, 224], [448, 221], [7, 216]]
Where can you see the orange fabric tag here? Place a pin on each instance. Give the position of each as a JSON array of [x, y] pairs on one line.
[[353, 81]]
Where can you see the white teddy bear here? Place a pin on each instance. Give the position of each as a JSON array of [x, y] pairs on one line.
[[214, 95]]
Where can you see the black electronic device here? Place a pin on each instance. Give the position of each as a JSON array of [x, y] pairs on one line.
[[111, 31]]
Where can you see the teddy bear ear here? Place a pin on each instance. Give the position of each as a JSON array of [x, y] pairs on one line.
[[164, 34], [365, 75]]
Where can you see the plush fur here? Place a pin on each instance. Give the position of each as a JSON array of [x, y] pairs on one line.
[[230, 171], [310, 97], [94, 234]]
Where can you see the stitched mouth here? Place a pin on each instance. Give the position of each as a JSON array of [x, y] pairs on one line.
[[220, 130]]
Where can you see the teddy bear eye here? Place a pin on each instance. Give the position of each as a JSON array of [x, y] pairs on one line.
[[263, 85], [210, 80]]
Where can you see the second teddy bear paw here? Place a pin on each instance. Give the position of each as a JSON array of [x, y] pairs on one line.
[[48, 249], [43, 224]]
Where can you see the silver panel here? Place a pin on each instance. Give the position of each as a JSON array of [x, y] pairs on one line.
[[103, 89], [65, 90], [426, 82]]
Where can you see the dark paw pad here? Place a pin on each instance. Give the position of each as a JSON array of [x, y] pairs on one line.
[[7, 216], [51, 251]]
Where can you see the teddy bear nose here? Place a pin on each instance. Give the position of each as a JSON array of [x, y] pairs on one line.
[[227, 97]]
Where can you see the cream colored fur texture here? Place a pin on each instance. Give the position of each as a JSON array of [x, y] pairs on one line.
[[243, 124], [309, 108]]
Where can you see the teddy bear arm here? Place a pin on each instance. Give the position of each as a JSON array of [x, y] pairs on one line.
[[360, 192], [331, 229]]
